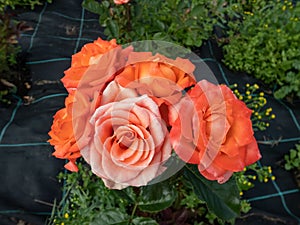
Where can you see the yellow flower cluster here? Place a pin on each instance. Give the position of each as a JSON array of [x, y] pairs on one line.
[[246, 178], [248, 13], [256, 101]]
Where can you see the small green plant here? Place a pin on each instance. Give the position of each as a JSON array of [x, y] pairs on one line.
[[14, 3], [8, 44], [292, 159], [12, 67], [292, 162], [87, 201], [263, 41], [184, 22]]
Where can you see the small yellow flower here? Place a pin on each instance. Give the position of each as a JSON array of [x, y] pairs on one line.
[[255, 86], [267, 124], [266, 180], [254, 177], [245, 169], [66, 215], [256, 113], [249, 97], [273, 178], [284, 8], [259, 117], [241, 193], [249, 184], [273, 116], [278, 30], [235, 85], [247, 85], [62, 223], [267, 113], [248, 93], [261, 94], [241, 98]]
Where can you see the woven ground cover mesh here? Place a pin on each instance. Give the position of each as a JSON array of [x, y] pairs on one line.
[[28, 171]]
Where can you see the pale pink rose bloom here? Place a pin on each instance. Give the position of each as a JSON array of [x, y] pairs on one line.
[[130, 143]]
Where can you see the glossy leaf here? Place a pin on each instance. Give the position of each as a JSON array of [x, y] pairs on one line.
[[144, 221], [156, 197], [113, 28], [126, 194], [92, 6], [111, 217], [222, 199]]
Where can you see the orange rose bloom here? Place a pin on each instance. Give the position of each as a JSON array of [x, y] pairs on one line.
[[213, 129], [159, 77], [62, 136], [120, 2], [90, 54]]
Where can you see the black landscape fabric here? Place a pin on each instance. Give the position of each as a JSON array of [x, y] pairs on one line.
[[28, 171]]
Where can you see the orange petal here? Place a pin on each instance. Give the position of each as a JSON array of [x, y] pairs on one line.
[[71, 166]]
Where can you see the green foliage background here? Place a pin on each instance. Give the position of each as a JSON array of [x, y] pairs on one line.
[[263, 41]]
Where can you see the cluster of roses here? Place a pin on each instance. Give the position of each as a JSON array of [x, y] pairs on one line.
[[127, 111]]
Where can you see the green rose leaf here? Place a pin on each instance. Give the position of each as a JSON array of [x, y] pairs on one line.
[[92, 6], [111, 217], [156, 197], [113, 28], [222, 199], [144, 221], [126, 194], [198, 10]]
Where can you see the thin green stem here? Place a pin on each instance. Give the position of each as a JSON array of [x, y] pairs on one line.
[[133, 212]]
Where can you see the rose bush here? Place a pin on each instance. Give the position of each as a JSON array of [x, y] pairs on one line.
[[127, 110], [215, 131], [143, 75]]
